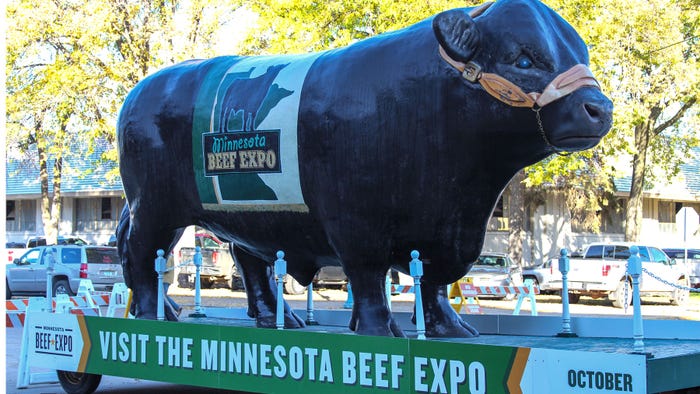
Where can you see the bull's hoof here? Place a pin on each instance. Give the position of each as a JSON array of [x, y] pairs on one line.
[[441, 320], [376, 327], [291, 321], [451, 329]]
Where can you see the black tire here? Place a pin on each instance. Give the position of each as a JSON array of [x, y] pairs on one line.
[[61, 286], [206, 283], [619, 296], [573, 298], [235, 283], [680, 296], [534, 280], [291, 286], [183, 281], [78, 383], [8, 292]]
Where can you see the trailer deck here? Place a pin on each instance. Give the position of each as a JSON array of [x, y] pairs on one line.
[[513, 354]]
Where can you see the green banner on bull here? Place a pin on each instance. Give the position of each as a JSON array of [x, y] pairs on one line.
[[244, 137]]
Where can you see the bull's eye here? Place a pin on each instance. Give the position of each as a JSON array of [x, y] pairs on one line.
[[523, 61]]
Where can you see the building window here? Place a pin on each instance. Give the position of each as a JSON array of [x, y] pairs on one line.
[[666, 212], [96, 214], [10, 209], [106, 208], [20, 215]]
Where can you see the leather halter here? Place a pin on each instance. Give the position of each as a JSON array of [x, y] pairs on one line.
[[574, 78]]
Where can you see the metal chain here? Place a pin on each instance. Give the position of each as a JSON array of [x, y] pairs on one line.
[[626, 303], [558, 151], [664, 281]]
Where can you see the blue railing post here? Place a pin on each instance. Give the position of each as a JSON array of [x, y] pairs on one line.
[[416, 269], [566, 317], [634, 268], [349, 302], [280, 272], [387, 288], [310, 305], [49, 279], [160, 268], [197, 260]]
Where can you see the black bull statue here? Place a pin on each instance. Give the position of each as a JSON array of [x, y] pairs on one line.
[[354, 156]]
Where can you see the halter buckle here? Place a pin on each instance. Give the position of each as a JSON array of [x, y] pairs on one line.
[[472, 72]]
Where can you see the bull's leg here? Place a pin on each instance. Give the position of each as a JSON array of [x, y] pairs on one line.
[[370, 310], [441, 321], [138, 243], [261, 290]]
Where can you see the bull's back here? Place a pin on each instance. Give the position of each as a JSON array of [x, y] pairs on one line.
[[154, 130]]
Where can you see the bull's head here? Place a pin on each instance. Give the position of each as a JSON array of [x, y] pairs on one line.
[[523, 54]]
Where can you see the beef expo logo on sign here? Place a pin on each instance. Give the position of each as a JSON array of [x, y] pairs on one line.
[[53, 340], [229, 153]]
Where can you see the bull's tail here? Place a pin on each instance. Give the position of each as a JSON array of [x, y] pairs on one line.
[[122, 245]]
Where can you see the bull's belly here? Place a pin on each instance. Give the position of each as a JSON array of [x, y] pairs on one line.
[[263, 233]]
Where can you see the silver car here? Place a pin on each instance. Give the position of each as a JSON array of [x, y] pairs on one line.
[[27, 275], [496, 269]]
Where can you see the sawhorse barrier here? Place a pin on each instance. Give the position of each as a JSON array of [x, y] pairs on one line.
[[85, 303], [466, 295]]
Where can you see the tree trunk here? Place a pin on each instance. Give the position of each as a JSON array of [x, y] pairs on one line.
[[56, 206], [633, 225], [50, 204], [44, 184], [516, 217]]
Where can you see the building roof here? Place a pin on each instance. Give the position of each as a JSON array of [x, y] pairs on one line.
[[687, 182], [83, 172], [691, 171]]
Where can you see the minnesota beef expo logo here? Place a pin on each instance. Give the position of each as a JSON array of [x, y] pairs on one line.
[[242, 103]]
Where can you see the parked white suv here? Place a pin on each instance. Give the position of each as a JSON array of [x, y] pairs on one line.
[[27, 275]]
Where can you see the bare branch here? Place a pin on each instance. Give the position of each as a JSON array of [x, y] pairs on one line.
[[679, 114]]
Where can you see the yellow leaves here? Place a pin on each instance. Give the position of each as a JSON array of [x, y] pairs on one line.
[[299, 26]]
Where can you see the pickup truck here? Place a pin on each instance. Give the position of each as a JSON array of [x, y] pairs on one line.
[[13, 250], [217, 263], [691, 257], [601, 272], [540, 274], [27, 275]]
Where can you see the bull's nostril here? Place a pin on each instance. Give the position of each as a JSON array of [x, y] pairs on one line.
[[593, 111]]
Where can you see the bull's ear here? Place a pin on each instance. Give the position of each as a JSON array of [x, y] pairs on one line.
[[457, 33]]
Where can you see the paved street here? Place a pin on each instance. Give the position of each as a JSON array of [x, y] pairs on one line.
[[652, 308]]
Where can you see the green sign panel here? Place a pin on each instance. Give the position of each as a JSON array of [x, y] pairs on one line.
[[266, 360], [256, 359]]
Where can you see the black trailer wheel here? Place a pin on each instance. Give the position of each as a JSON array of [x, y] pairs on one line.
[[78, 383]]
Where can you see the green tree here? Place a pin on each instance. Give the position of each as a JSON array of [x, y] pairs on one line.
[[645, 53], [48, 91], [71, 63]]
